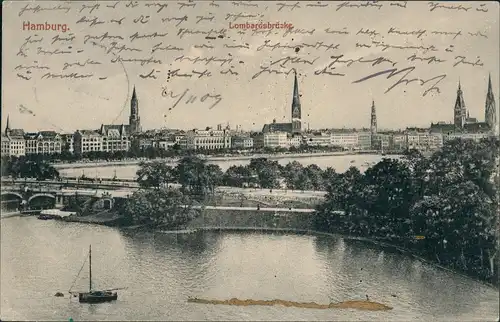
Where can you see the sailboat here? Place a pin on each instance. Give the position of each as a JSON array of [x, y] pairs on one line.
[[94, 296]]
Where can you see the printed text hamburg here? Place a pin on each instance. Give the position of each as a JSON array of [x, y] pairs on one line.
[[27, 25]]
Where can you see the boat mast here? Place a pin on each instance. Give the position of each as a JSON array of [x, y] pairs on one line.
[[90, 268]]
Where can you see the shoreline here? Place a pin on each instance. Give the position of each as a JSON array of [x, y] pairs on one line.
[[10, 215], [346, 237], [78, 165], [189, 230]]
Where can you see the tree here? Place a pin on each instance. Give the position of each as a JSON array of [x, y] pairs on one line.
[[388, 196], [292, 173], [450, 199], [237, 176], [315, 175], [24, 167], [167, 208], [215, 175], [193, 177], [330, 176], [267, 171], [156, 174]]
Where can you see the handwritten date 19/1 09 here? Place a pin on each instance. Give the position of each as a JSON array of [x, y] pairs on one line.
[[434, 81], [191, 99]]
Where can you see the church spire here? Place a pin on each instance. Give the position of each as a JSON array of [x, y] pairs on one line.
[[7, 127], [490, 89], [490, 116], [134, 96], [134, 119], [373, 119], [296, 98], [296, 107], [460, 111]]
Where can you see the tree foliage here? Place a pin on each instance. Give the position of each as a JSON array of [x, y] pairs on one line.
[[196, 178], [167, 208], [156, 174], [450, 199], [22, 167]]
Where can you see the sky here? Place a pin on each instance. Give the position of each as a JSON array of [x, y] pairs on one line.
[[452, 29]]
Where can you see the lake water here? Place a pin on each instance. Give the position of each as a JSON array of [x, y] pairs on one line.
[[40, 258], [339, 162]]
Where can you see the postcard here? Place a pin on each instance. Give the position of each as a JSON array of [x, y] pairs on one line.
[[250, 160]]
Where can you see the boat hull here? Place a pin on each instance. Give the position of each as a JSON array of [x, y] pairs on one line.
[[97, 297]]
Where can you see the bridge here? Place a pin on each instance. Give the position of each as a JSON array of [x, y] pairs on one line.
[[31, 194], [25, 197], [131, 185]]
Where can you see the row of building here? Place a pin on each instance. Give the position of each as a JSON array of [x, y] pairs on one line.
[[113, 138]]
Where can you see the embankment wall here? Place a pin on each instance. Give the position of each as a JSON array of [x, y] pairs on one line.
[[252, 219]]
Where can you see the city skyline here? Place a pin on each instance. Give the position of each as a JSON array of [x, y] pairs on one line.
[[327, 101], [134, 115]]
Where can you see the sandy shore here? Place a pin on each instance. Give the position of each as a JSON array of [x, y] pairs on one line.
[[360, 305]]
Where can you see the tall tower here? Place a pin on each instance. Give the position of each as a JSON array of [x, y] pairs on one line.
[[296, 108], [490, 115], [459, 112], [134, 120], [7, 127], [375, 143], [373, 120]]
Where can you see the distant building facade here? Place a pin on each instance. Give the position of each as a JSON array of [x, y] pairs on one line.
[[68, 143], [12, 141], [276, 140], [345, 139], [241, 142], [320, 139], [87, 141], [44, 142], [114, 138], [206, 140], [421, 140]]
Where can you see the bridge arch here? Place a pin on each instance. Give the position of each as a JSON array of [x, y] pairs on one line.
[[41, 195], [11, 193]]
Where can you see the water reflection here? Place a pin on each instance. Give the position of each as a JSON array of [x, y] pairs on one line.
[[339, 162], [162, 270]]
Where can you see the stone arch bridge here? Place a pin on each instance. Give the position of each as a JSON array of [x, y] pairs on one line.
[[27, 198]]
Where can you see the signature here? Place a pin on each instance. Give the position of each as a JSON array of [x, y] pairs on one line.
[[403, 80]]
